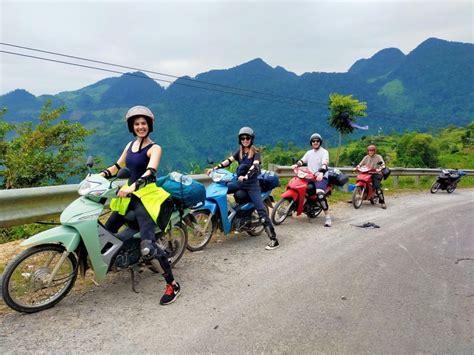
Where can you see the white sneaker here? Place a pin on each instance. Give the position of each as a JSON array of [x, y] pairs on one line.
[[328, 221]]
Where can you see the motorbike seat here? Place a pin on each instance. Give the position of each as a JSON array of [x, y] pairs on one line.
[[241, 197]]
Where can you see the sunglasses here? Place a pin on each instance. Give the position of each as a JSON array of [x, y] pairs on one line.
[[315, 140], [245, 138]]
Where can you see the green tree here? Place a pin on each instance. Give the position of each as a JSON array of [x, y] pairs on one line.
[[344, 109], [48, 153], [417, 150]]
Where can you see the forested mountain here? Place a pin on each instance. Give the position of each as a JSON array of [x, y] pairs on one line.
[[431, 87]]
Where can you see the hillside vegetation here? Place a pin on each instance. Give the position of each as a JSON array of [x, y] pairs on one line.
[[429, 88]]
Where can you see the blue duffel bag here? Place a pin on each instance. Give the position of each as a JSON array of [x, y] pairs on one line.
[[268, 180], [183, 188]]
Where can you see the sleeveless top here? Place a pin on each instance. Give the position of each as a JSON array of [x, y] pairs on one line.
[[245, 163], [137, 162]]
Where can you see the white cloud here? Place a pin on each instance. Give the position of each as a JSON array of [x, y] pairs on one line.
[[189, 37]]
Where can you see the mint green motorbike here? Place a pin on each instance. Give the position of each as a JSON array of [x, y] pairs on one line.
[[42, 275]]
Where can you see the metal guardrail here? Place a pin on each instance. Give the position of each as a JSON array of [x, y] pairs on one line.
[[29, 205]]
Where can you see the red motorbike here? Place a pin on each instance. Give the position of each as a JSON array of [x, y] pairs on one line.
[[295, 198], [364, 189]]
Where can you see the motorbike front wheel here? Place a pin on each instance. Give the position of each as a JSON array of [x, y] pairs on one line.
[[282, 209], [26, 284], [358, 196], [201, 231], [174, 241], [450, 188], [435, 187]]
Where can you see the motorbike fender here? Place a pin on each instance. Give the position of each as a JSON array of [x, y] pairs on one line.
[[67, 236], [208, 206], [290, 194]]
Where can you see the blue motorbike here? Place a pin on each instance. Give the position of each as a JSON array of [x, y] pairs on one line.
[[218, 213]]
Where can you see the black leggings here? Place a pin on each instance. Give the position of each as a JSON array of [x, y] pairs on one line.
[[377, 181], [146, 227]]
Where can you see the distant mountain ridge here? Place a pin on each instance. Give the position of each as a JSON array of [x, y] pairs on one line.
[[430, 87]]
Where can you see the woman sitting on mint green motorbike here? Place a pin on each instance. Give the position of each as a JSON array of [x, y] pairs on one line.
[[142, 157]]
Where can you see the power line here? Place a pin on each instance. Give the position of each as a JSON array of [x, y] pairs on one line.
[[163, 74], [154, 79], [304, 102]]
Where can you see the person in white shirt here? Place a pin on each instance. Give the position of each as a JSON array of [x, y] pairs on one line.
[[317, 160]]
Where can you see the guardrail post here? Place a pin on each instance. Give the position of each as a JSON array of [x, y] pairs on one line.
[[417, 180], [272, 167], [395, 182]]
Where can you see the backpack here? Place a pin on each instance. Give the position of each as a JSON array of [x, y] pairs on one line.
[[183, 188], [337, 177]]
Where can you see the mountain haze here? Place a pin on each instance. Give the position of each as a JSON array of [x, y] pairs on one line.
[[430, 87]]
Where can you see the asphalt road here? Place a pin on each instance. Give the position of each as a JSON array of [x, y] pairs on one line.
[[404, 288]]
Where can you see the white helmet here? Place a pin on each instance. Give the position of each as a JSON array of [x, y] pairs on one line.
[[247, 131], [315, 136], [139, 111]]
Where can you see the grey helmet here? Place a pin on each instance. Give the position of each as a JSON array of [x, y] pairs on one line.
[[139, 111], [247, 131], [315, 136]]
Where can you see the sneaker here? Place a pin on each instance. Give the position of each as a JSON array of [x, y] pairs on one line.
[[328, 222], [383, 205], [171, 293], [272, 244]]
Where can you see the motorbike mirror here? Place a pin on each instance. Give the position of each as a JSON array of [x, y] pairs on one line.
[[123, 173], [90, 161], [379, 163], [210, 161]]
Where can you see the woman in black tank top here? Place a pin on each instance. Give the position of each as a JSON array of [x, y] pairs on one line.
[[142, 158]]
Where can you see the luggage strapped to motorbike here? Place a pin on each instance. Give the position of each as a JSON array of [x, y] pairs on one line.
[[337, 177], [183, 188]]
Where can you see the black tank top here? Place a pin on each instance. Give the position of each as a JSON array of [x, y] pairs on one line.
[[137, 162]]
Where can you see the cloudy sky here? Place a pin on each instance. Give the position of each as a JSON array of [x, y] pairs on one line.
[[190, 37]]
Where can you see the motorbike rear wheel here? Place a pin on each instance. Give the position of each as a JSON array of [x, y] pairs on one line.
[[358, 196], [435, 187], [25, 286], [201, 232], [174, 241], [282, 209]]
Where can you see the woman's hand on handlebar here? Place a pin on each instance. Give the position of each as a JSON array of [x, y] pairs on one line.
[[126, 192]]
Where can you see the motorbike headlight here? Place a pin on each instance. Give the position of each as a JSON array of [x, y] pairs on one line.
[[217, 176], [301, 174], [86, 187]]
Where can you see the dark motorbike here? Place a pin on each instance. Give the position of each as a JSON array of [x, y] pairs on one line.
[[447, 180]]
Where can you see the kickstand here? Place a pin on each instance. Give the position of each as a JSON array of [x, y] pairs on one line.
[[133, 270]]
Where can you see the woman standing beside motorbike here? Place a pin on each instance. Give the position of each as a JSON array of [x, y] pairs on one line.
[[142, 157], [375, 161], [317, 160], [248, 158]]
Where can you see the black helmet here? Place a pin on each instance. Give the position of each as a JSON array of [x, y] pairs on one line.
[[315, 136], [139, 111], [247, 131]]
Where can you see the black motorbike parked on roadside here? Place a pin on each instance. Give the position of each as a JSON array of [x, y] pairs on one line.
[[447, 180]]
